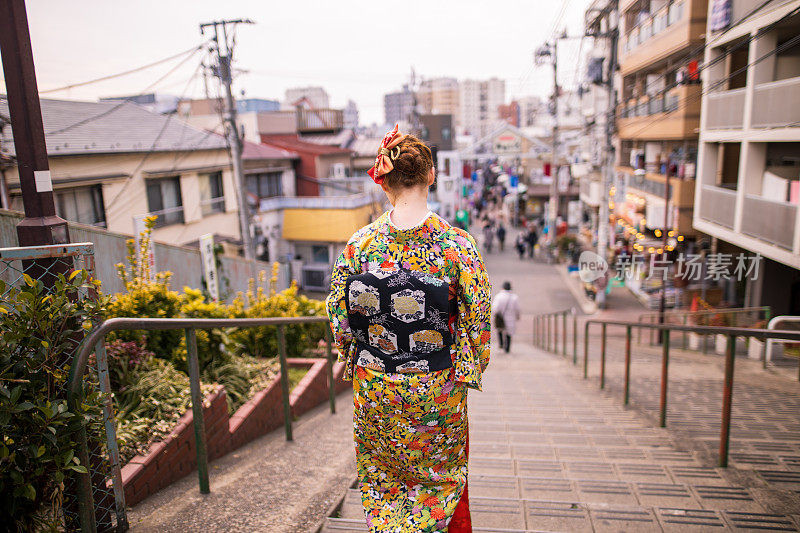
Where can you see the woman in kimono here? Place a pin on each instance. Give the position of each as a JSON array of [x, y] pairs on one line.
[[410, 308]]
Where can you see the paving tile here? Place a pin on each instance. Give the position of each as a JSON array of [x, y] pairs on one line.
[[491, 465], [524, 451], [674, 519], [542, 515], [533, 468], [590, 470], [627, 519], [494, 486], [665, 494], [497, 513], [603, 491], [720, 498], [743, 521]]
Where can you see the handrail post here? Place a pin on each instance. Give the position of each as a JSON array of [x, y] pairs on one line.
[[197, 410], [767, 343], [586, 350], [727, 401], [627, 363], [331, 380], [287, 408], [603, 355], [685, 336], [554, 318], [574, 337], [664, 379], [564, 327]]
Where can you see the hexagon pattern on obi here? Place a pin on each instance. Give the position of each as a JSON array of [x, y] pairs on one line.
[[408, 305], [364, 299], [382, 338], [399, 314]]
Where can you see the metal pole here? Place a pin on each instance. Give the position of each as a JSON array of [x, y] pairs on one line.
[[685, 340], [287, 408], [627, 364], [564, 327], [586, 350], [603, 355], [554, 318], [727, 401], [608, 175], [664, 379], [554, 156], [574, 338], [40, 225], [331, 380], [662, 302], [765, 341], [197, 410], [224, 58]]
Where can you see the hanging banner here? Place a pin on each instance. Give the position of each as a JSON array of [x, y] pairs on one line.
[[209, 265]]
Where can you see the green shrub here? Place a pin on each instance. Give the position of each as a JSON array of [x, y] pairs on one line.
[[39, 329]]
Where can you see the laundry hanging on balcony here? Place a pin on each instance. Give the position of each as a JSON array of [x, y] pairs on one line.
[[720, 15]]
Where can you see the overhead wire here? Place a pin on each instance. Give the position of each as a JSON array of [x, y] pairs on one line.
[[120, 74]]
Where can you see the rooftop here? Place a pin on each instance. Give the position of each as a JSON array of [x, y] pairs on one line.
[[81, 128], [295, 144], [265, 151]]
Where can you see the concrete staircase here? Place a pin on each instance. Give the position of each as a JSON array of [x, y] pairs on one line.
[[551, 453]]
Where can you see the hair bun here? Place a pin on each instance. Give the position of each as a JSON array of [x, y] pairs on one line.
[[412, 165]]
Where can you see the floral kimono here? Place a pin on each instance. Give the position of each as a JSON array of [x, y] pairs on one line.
[[410, 313]]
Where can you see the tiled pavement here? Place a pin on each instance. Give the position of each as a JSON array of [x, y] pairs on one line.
[[549, 452]]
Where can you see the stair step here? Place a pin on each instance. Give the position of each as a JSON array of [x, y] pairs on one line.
[[526, 515]]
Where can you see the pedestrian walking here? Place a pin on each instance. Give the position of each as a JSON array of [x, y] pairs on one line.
[[505, 310], [533, 238], [488, 237], [520, 245], [397, 289], [501, 236]]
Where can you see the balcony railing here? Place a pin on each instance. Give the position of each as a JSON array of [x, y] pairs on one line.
[[167, 217], [725, 109], [769, 220], [318, 120], [654, 25], [717, 205], [777, 104]]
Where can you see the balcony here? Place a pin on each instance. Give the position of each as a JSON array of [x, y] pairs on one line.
[[777, 104], [319, 120], [681, 190], [673, 115], [769, 220], [718, 205], [669, 30], [725, 109]]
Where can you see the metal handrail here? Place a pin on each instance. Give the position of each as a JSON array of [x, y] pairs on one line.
[[770, 343], [95, 342], [730, 332], [545, 331], [689, 314]]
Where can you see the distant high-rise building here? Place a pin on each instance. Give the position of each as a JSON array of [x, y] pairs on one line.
[[479, 105], [398, 106], [510, 113], [350, 119], [439, 96], [316, 96], [530, 110]]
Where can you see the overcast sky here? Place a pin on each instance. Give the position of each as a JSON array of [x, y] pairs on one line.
[[355, 49]]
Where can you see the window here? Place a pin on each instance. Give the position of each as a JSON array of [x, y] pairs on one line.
[[81, 204], [212, 197], [265, 185], [164, 200], [319, 254]]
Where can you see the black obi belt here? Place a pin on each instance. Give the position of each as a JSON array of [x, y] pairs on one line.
[[400, 320]]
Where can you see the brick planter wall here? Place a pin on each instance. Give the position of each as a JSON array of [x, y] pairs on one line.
[[175, 456]]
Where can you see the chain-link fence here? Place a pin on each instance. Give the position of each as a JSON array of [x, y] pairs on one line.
[[45, 263]]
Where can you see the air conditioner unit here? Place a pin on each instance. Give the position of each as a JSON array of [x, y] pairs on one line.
[[316, 277], [338, 170]]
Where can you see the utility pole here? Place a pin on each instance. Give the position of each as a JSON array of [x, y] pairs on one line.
[[223, 72], [607, 177], [40, 225], [554, 156]]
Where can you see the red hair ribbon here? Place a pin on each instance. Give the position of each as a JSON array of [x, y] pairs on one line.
[[386, 154]]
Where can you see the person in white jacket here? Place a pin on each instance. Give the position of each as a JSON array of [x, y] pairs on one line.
[[505, 310]]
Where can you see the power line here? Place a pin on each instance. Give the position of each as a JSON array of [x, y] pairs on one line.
[[125, 101], [124, 73]]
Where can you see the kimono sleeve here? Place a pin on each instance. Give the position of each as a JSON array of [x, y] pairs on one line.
[[474, 303], [337, 309]]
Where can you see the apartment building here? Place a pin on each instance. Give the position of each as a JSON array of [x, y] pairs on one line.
[[749, 152], [479, 102], [317, 97], [439, 96], [398, 106], [660, 49]]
